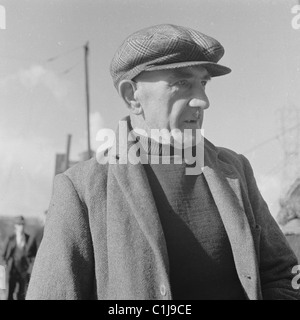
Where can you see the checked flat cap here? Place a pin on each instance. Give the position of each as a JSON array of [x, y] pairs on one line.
[[166, 46]]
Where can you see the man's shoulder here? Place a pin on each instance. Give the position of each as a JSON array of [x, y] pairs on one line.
[[10, 241], [230, 161], [229, 154], [85, 169], [87, 175], [225, 154], [11, 237]]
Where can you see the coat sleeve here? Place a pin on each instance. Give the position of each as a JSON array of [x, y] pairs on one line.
[[276, 257], [31, 251], [64, 265], [9, 249], [32, 247], [5, 253]]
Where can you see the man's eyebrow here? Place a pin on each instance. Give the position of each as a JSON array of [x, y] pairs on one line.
[[207, 77]]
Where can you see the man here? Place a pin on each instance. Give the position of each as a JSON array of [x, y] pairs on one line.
[[17, 262], [129, 226]]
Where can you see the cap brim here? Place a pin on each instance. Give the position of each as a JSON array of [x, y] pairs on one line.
[[214, 69]]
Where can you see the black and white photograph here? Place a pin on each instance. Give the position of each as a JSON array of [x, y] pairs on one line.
[[150, 150]]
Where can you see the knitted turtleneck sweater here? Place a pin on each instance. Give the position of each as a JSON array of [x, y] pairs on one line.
[[200, 256]]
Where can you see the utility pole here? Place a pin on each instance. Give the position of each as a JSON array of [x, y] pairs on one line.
[[86, 53], [68, 151]]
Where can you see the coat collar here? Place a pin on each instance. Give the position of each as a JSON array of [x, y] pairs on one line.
[[224, 184]]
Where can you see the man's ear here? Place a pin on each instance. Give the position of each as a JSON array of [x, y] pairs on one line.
[[127, 90]]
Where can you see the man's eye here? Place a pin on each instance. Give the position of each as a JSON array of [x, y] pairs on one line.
[[182, 83]]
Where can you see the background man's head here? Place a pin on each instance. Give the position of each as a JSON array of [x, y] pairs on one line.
[[161, 73], [19, 224]]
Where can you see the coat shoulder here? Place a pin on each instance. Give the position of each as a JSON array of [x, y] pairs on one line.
[[230, 157], [10, 239], [88, 176], [231, 163]]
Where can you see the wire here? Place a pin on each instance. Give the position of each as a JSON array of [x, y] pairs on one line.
[[19, 58], [70, 69], [271, 139], [51, 59], [278, 167], [261, 144]]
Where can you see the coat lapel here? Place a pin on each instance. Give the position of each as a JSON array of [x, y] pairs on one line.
[[132, 182], [226, 191]]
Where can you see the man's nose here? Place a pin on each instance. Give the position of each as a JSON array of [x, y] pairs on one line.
[[199, 99]]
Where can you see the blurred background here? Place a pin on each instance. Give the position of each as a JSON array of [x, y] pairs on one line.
[[56, 92]]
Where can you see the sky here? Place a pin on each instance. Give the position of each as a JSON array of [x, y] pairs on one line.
[[42, 100]]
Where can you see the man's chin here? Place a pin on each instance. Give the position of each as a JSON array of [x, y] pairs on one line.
[[192, 125]]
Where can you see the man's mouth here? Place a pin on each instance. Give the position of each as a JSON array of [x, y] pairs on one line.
[[191, 121]]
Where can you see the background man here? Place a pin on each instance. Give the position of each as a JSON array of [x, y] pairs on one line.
[[150, 231], [17, 262]]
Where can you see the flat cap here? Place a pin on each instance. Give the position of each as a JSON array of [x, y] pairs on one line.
[[166, 46]]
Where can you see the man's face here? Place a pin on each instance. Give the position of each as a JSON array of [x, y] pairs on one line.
[[173, 99], [19, 228]]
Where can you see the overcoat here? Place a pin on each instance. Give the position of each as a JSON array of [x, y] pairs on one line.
[[8, 255], [103, 238]]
